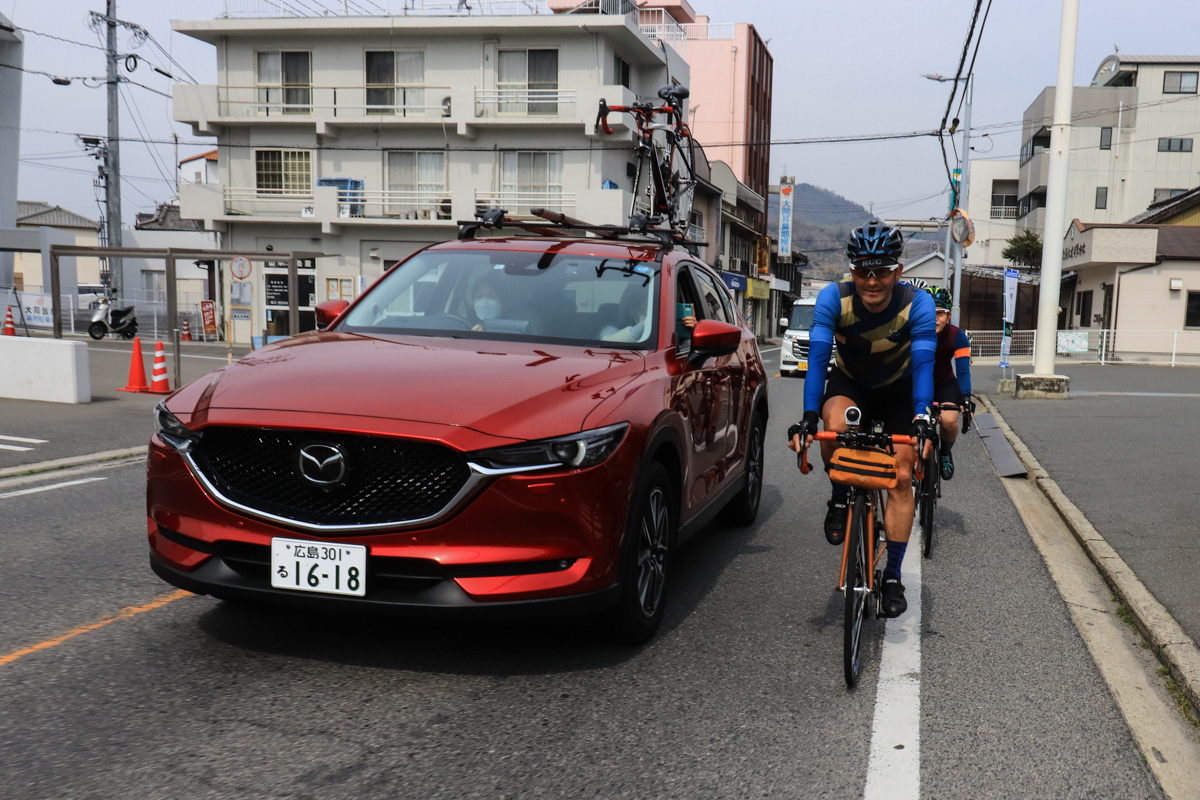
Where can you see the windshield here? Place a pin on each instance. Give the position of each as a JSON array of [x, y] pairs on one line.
[[526, 296], [802, 318]]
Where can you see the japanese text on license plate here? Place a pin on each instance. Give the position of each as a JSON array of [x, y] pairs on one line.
[[319, 567]]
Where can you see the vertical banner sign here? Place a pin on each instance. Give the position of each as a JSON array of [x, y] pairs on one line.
[[208, 314], [1010, 314], [787, 190]]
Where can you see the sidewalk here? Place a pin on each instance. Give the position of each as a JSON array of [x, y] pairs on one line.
[[1119, 463]]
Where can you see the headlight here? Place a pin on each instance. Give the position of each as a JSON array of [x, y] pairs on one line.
[[172, 431], [580, 450]]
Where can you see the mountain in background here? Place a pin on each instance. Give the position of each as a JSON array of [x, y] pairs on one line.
[[821, 224]]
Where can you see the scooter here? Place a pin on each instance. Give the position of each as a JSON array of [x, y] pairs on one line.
[[108, 320]]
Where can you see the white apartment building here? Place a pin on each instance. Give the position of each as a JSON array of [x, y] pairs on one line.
[[364, 138], [1132, 137]]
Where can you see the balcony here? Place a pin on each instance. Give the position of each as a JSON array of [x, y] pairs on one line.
[[519, 203], [524, 102], [1004, 212]]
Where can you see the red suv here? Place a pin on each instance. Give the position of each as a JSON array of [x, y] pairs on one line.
[[506, 424]]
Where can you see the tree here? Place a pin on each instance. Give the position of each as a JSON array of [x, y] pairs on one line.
[[1024, 249]]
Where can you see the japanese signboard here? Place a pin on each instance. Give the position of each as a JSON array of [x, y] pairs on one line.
[[208, 316], [787, 191], [1010, 314]]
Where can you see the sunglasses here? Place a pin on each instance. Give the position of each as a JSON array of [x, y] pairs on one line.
[[873, 272]]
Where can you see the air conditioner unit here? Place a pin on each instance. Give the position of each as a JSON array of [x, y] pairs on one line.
[[736, 265]]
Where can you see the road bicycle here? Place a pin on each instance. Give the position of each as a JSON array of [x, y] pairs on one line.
[[865, 460], [927, 472], [664, 182]]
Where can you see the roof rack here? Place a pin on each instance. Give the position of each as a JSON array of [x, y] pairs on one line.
[[556, 224]]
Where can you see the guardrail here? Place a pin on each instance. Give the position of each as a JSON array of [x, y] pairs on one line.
[[1096, 346]]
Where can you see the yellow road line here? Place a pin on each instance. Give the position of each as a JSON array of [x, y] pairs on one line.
[[124, 613]]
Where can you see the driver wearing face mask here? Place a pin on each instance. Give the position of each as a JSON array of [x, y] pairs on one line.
[[632, 311], [485, 303]]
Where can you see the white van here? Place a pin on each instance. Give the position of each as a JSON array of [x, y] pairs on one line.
[[793, 354]]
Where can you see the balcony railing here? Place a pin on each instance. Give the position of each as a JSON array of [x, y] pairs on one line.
[[656, 23], [522, 102], [342, 102], [420, 204], [520, 202], [702, 31], [240, 201], [1004, 212]]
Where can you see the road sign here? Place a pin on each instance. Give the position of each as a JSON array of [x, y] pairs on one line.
[[240, 267]]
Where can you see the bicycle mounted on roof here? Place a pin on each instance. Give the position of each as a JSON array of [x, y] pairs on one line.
[[665, 181]]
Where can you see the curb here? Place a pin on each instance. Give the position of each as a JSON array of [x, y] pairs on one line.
[[72, 461], [1174, 648]]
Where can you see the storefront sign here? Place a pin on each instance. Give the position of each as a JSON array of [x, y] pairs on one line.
[[208, 316], [758, 290], [787, 190], [734, 281], [1010, 314]]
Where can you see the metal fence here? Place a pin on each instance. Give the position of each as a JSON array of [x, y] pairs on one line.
[[32, 310], [1086, 346]]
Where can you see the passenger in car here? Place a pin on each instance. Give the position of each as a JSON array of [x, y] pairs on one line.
[[485, 302], [631, 314]]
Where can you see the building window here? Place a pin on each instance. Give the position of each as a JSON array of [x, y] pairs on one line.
[[1166, 194], [528, 179], [283, 172], [1101, 197], [1004, 200], [1085, 309], [284, 80], [1174, 145], [396, 82], [1179, 82], [1191, 317], [527, 81], [1106, 138], [620, 71], [417, 184]]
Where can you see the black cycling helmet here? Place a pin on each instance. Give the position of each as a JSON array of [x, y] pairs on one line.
[[875, 244], [941, 297]]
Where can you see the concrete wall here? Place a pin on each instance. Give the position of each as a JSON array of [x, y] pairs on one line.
[[53, 370], [1147, 303]]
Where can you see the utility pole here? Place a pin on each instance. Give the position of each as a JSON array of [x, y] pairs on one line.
[[963, 198], [1043, 382], [112, 151]]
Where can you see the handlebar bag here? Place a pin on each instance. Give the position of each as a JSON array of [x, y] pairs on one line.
[[866, 469]]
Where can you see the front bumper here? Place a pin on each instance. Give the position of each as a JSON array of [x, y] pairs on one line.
[[524, 543]]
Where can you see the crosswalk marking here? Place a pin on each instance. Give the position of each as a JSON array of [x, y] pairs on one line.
[[18, 448]]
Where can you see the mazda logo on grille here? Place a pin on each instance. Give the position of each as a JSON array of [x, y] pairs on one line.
[[322, 464]]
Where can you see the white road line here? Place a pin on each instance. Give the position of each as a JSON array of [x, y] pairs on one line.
[[23, 439], [37, 489], [894, 768], [15, 447]]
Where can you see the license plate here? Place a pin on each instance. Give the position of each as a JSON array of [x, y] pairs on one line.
[[319, 567], [802, 365]]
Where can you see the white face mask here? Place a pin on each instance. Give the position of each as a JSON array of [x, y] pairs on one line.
[[487, 308]]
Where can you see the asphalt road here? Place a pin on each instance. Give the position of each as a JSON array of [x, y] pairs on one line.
[[740, 695]]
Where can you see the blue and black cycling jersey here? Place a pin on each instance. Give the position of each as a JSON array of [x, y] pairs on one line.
[[873, 349]]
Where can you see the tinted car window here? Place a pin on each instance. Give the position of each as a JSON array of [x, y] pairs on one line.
[[584, 300], [711, 295]]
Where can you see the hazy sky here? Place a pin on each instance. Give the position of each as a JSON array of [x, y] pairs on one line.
[[841, 69]]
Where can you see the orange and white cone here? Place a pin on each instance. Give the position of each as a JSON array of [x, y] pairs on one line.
[[137, 371], [158, 376], [186, 336], [9, 328]]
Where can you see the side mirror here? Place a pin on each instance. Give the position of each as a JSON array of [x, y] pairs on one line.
[[783, 322], [328, 311], [713, 339]]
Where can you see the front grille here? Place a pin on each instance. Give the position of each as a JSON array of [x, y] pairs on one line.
[[386, 480], [800, 349]]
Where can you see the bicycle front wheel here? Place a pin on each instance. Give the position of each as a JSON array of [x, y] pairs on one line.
[[928, 502], [857, 570]]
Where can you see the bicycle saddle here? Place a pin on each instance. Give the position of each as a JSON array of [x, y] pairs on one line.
[[672, 93]]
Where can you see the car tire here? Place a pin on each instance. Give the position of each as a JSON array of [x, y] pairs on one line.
[[646, 555], [742, 510]]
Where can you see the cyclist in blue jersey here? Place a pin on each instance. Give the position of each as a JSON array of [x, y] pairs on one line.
[[951, 375], [885, 338]]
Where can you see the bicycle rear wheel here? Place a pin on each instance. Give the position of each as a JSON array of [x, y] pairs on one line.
[[928, 502], [857, 570]]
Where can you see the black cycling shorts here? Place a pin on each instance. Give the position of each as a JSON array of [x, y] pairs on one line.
[[948, 391], [891, 404]]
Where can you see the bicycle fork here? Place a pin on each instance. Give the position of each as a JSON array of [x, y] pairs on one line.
[[869, 536]]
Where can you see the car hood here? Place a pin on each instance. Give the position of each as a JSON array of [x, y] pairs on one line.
[[513, 390]]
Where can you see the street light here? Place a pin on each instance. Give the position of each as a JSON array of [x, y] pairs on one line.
[[963, 189]]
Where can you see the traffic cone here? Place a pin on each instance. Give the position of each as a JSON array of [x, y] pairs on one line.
[[9, 330], [187, 333], [137, 370], [158, 378]]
